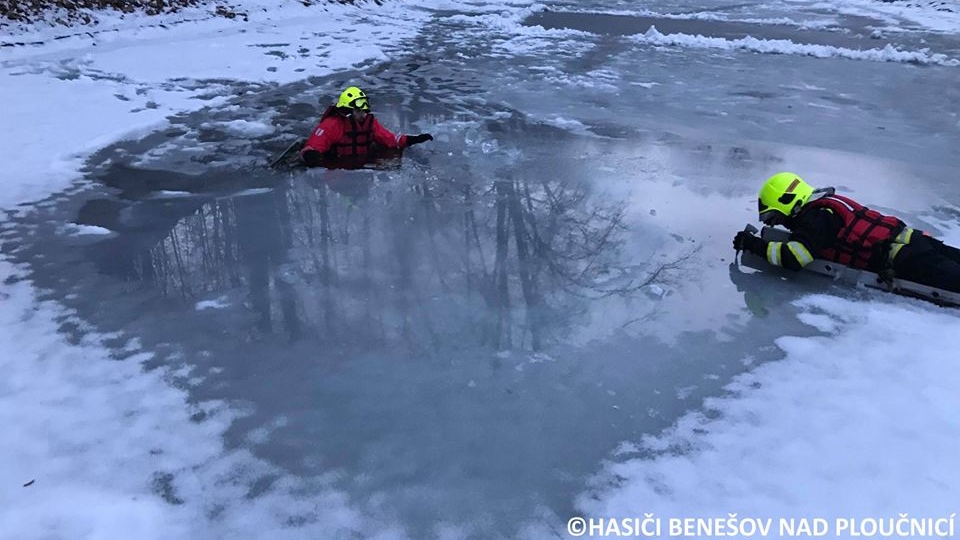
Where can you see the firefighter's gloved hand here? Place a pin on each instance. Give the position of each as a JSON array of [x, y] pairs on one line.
[[745, 241], [311, 158], [417, 139]]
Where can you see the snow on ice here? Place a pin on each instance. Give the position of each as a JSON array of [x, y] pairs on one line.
[[861, 419]]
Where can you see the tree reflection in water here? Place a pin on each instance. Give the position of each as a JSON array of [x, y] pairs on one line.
[[365, 259]]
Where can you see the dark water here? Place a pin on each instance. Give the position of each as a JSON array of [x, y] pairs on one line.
[[406, 330], [463, 339]]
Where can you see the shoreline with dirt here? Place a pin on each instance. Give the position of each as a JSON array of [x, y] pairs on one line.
[[88, 12]]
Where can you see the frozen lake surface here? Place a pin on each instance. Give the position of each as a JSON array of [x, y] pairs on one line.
[[457, 344]]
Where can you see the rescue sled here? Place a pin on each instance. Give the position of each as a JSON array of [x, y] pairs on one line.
[[851, 276], [289, 158]]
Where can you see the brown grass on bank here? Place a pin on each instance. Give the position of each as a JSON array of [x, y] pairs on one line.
[[71, 11], [67, 12]]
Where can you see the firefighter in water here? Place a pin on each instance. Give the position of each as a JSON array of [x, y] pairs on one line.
[[349, 135], [825, 225]]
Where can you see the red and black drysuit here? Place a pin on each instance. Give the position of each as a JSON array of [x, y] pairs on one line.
[[340, 140], [839, 229]]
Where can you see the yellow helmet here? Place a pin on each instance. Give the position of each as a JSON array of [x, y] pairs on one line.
[[354, 98], [782, 196]]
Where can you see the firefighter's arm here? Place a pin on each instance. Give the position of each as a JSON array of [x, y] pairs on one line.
[[387, 138], [811, 234], [323, 136], [792, 254]]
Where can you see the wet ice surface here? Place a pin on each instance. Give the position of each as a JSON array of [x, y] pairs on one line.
[[441, 341], [371, 343]]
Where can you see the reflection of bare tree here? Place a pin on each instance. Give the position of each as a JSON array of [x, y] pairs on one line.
[[563, 247], [508, 263], [502, 296]]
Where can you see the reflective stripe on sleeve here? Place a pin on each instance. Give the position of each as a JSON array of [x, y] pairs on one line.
[[773, 253], [801, 253]]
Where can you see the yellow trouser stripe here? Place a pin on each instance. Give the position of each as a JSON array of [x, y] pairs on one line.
[[773, 253], [894, 249], [901, 240], [904, 237], [801, 253]]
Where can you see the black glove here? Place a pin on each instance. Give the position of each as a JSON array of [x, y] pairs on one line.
[[417, 139], [745, 241], [311, 158]]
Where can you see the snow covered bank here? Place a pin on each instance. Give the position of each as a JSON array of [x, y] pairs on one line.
[[87, 432], [95, 447], [90, 91], [859, 423], [937, 15]]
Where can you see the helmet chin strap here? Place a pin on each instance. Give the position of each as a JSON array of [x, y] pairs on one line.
[[776, 219]]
